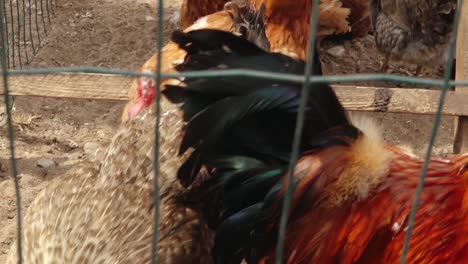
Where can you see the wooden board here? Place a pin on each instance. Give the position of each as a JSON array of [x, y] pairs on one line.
[[357, 98], [70, 85], [460, 144], [400, 100]]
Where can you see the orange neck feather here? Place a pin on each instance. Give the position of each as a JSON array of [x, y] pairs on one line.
[[287, 26]]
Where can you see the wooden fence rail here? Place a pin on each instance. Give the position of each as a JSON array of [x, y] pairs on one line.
[[356, 98], [461, 122]]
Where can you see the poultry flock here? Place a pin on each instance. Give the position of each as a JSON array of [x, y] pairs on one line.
[[224, 162], [286, 29]]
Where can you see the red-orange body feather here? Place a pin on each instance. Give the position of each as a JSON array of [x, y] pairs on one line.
[[372, 230], [191, 10]]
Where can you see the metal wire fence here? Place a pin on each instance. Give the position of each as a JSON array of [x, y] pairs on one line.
[[26, 24], [16, 38]]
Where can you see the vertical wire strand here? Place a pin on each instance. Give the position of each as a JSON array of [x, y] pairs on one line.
[[18, 39], [14, 171], [24, 32], [438, 115], [43, 19], [37, 23], [7, 45], [48, 12], [30, 27], [156, 200], [12, 21], [52, 8], [313, 27]]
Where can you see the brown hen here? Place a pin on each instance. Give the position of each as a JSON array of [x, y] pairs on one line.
[[102, 212]]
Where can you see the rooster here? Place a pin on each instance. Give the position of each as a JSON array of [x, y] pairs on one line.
[[353, 192], [413, 31], [287, 30]]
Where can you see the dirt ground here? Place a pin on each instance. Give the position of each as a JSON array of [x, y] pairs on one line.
[[122, 34]]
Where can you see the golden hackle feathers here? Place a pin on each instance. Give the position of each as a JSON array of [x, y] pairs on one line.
[[333, 18], [346, 173], [364, 171]]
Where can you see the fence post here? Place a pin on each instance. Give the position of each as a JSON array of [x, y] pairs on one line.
[[461, 122]]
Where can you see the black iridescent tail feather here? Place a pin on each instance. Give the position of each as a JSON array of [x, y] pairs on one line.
[[241, 129], [243, 107]]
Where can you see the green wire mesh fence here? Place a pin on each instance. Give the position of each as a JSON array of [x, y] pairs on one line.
[[14, 41], [25, 24]]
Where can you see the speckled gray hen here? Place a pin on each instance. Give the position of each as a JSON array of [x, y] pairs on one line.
[[103, 212], [414, 31]]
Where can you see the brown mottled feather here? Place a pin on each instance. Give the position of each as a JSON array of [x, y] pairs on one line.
[[414, 31], [102, 213], [359, 18]]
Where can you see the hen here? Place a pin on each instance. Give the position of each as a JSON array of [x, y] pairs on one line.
[[287, 30], [287, 26], [103, 213], [353, 192], [413, 31]]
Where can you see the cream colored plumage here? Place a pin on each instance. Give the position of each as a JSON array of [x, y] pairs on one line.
[[102, 212]]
